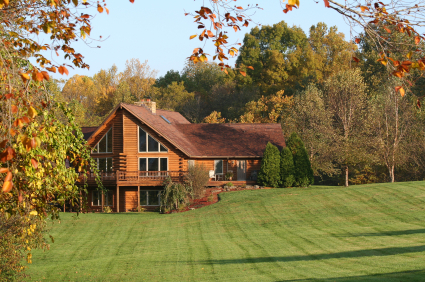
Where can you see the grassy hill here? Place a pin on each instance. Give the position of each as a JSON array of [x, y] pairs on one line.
[[360, 233]]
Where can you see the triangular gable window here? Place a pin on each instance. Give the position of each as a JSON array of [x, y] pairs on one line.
[[148, 144], [105, 144]]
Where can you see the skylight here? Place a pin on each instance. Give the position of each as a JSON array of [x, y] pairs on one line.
[[164, 118]]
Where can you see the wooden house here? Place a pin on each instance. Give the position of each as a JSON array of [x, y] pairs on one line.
[[138, 146]]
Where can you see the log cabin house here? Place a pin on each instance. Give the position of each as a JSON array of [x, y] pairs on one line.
[[137, 146]]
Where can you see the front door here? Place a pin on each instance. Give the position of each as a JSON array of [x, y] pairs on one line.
[[241, 170]]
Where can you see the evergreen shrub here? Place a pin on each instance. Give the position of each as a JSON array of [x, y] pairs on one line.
[[287, 178], [269, 174], [302, 167]]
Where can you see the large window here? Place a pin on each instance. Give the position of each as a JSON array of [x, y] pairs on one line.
[[97, 198], [148, 144], [153, 164], [150, 198], [104, 164], [218, 166], [105, 144]]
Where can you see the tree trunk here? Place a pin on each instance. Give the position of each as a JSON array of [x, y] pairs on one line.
[[346, 176], [392, 176]]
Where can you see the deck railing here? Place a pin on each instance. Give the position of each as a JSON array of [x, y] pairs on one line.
[[136, 176]]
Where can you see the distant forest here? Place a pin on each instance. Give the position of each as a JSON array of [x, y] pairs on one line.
[[349, 114]]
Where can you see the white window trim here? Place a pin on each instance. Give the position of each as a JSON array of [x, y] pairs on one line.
[[147, 197], [159, 162], [222, 167], [97, 145], [147, 147], [188, 163]]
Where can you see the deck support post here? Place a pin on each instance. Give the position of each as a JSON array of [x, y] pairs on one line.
[[138, 198], [103, 197], [118, 198]]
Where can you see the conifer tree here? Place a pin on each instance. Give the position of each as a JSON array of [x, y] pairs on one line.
[[287, 170], [303, 172], [269, 174]]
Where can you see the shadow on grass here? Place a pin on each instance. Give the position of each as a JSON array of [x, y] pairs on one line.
[[388, 233], [348, 254], [412, 275]]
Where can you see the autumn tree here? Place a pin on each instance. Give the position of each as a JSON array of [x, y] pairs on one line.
[[394, 120], [312, 121], [214, 117], [269, 109], [34, 144], [139, 77], [346, 100]]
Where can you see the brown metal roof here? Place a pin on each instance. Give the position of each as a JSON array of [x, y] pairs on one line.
[[212, 140]]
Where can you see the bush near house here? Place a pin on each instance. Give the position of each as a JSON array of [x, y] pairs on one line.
[[287, 171], [303, 171], [197, 178], [269, 174]]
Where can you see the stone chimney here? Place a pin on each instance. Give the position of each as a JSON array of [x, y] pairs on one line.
[[148, 104]]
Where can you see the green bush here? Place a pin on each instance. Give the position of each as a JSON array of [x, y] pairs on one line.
[[303, 171], [229, 184], [287, 178], [269, 174], [174, 195]]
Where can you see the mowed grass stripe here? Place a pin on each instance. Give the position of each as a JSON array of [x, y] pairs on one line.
[[360, 233]]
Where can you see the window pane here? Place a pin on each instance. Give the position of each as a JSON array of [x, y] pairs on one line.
[[96, 198], [142, 140], [152, 144], [163, 149], [142, 164], [102, 145], [153, 164], [109, 164], [153, 198], [109, 135], [143, 198], [102, 165], [218, 166], [190, 163], [164, 164]]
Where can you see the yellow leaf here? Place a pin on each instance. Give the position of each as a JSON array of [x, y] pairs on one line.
[[193, 36], [292, 2], [409, 55], [24, 76], [33, 213], [402, 91], [32, 112]]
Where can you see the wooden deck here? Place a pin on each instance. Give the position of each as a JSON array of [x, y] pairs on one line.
[[148, 178]]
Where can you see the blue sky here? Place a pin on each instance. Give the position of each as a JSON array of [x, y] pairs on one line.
[[159, 32]]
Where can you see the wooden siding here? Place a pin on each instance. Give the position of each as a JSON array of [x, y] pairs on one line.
[[128, 199], [231, 165], [175, 157]]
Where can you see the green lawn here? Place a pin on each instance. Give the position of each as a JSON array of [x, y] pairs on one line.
[[360, 233]]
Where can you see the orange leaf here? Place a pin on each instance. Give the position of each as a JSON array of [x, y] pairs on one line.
[[14, 109], [326, 3], [235, 28], [356, 60], [398, 74], [52, 69], [4, 170], [24, 76], [193, 36], [417, 40], [250, 67], [243, 73], [132, 1], [34, 163], [7, 186], [240, 8], [12, 132], [3, 143], [8, 176], [387, 29], [364, 8], [63, 70], [45, 75], [99, 8], [107, 11], [210, 34], [401, 90], [38, 76], [357, 40], [33, 143]]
